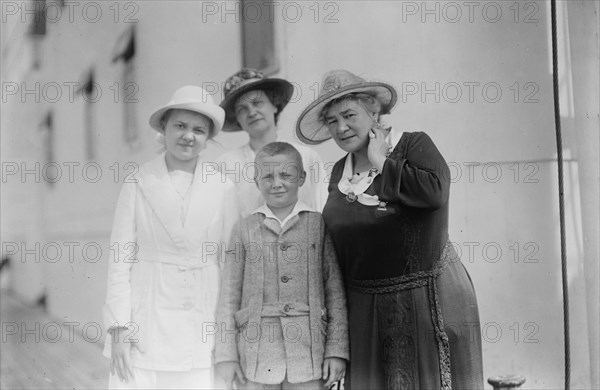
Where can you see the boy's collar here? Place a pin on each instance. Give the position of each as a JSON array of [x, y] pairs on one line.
[[298, 208]]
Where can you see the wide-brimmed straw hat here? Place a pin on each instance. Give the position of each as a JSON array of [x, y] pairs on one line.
[[337, 83], [191, 98], [247, 80]]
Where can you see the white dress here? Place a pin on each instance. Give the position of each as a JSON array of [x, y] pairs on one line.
[[163, 275], [238, 166]]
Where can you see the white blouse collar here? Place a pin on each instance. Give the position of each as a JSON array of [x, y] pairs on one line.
[[356, 191], [393, 137]]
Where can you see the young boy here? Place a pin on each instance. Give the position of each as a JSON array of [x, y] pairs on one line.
[[253, 103], [282, 309]]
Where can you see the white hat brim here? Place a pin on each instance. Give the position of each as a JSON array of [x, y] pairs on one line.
[[212, 111]]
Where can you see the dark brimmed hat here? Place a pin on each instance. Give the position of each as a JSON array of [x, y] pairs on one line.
[[337, 83], [247, 80]]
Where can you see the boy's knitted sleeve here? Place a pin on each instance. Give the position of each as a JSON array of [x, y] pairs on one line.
[[230, 297], [337, 344]]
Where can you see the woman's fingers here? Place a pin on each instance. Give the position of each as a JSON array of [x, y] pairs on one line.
[[121, 360], [378, 131], [240, 374], [118, 368], [123, 369], [336, 374], [128, 368], [329, 375], [325, 369]]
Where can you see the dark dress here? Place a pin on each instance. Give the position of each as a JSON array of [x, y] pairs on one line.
[[413, 317]]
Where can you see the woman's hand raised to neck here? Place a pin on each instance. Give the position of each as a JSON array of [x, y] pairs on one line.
[[373, 154], [378, 148]]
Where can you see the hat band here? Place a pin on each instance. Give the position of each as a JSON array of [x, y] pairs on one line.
[[243, 83]]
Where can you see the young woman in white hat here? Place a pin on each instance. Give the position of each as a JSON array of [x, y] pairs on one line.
[[253, 103], [163, 276], [412, 310]]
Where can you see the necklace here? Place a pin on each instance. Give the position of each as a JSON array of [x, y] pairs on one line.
[[182, 184]]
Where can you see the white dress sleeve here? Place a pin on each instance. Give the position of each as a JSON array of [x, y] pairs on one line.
[[316, 179], [230, 213], [122, 256]]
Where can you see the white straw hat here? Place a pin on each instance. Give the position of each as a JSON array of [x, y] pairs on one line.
[[191, 98]]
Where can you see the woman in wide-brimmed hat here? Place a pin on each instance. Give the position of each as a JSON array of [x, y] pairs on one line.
[[163, 275], [413, 316], [253, 103]]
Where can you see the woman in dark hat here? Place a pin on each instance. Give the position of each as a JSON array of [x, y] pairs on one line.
[[253, 104], [413, 316]]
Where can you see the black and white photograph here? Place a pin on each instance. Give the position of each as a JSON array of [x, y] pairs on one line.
[[309, 194]]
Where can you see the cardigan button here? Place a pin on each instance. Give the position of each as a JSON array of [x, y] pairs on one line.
[[287, 308], [283, 246], [285, 279]]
